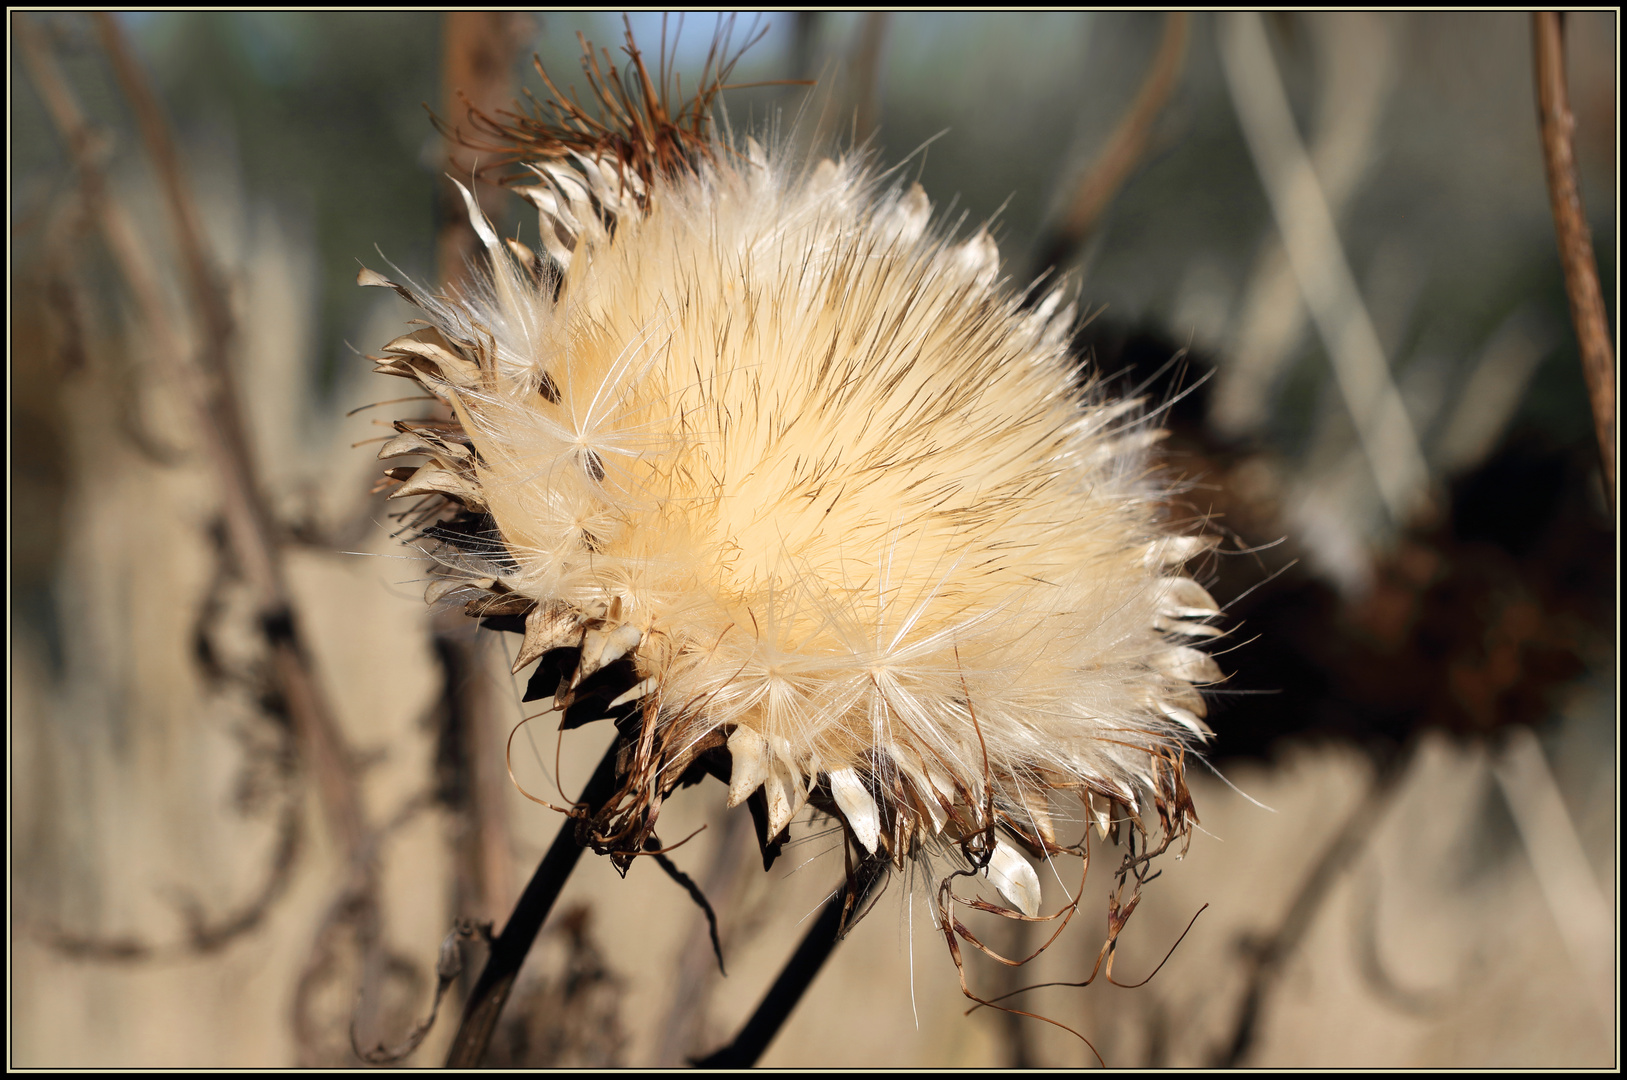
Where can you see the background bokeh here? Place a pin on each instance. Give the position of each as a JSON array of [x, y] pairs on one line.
[[1422, 706]]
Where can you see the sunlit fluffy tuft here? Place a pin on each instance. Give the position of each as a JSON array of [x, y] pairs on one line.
[[834, 503]]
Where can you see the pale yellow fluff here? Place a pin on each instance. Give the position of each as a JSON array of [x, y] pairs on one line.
[[843, 497]]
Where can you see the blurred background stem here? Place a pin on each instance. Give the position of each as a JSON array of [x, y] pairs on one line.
[[478, 58], [1575, 242]]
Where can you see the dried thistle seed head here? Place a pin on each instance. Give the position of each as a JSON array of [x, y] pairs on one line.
[[778, 474]]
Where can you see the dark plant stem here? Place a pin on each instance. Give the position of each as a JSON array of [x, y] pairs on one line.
[[509, 949], [797, 975]]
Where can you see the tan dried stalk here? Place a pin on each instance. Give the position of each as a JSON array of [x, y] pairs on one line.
[[1575, 242], [1125, 149], [251, 530], [253, 535], [131, 255]]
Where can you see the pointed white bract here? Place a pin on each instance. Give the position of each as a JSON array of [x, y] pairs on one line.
[[1187, 664], [978, 260], [1186, 719], [748, 754], [1009, 872], [440, 588], [785, 787], [1100, 807], [1038, 810], [433, 481], [547, 627], [1184, 598], [857, 807]]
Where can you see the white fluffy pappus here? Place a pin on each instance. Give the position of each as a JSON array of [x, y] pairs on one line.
[[780, 476]]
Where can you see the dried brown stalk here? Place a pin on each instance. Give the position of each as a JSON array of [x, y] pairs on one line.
[[1268, 956], [1124, 151], [477, 61], [1575, 243], [477, 64], [67, 223], [804, 31], [866, 74], [87, 148], [252, 532]]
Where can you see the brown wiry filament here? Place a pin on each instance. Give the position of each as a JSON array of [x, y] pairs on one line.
[[634, 121], [1175, 815]]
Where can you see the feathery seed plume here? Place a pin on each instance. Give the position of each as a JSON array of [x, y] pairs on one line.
[[781, 478]]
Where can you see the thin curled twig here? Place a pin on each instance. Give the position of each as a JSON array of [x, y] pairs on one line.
[[448, 966], [1135, 870], [695, 894]]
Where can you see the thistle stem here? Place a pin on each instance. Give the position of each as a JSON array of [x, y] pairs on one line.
[[797, 975], [508, 951]]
